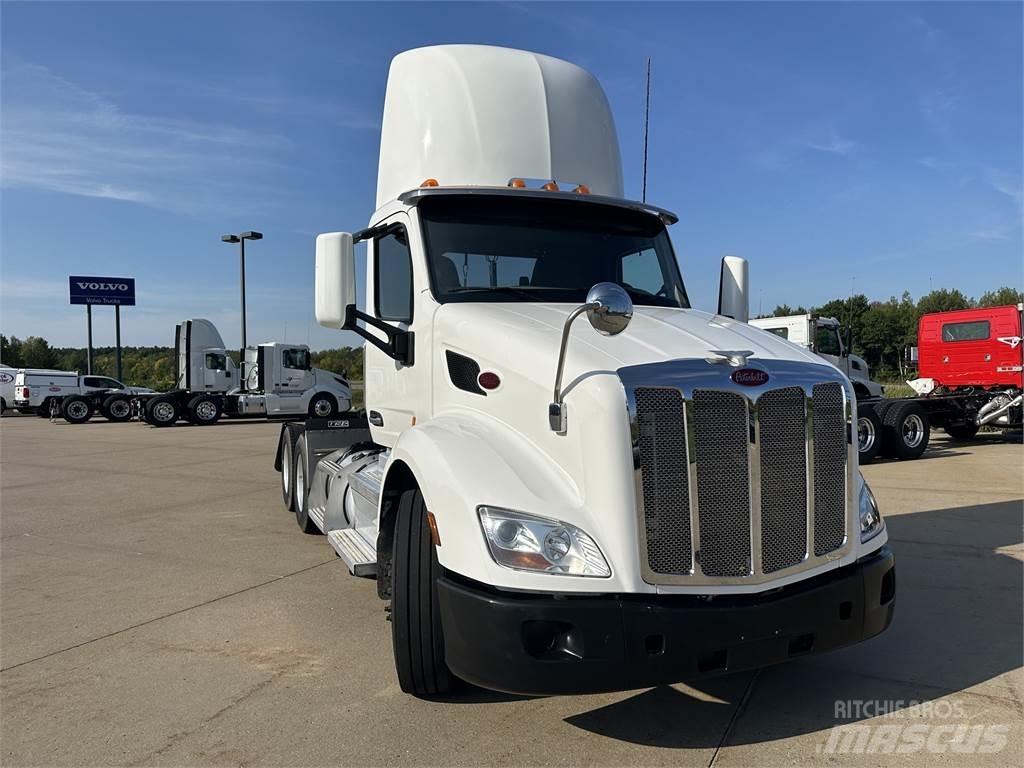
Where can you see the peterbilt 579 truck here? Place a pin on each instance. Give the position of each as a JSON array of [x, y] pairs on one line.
[[566, 479]]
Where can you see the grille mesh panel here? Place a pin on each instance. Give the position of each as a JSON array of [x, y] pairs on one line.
[[665, 483], [723, 482], [463, 371], [783, 438], [829, 468]]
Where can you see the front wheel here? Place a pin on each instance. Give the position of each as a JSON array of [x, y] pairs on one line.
[[323, 406], [906, 430], [869, 433], [416, 632]]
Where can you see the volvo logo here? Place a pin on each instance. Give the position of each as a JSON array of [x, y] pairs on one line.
[[103, 286], [750, 377]]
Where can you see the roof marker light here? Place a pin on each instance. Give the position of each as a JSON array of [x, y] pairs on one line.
[[517, 183], [550, 186], [429, 183], [582, 189]]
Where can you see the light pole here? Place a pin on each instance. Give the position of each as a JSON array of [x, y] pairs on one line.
[[241, 271]]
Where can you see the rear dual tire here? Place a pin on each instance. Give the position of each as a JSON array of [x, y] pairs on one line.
[[300, 483], [162, 412], [905, 430], [117, 408], [869, 433], [76, 410]]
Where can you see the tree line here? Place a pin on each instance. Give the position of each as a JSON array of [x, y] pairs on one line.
[[881, 330]]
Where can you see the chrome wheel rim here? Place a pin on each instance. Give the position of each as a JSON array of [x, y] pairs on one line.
[[865, 434], [322, 408], [119, 408], [206, 411], [913, 431], [163, 412], [300, 487], [77, 410]]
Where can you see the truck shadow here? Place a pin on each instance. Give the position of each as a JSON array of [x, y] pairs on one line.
[[958, 623]]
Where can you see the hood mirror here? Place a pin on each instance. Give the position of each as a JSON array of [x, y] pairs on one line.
[[609, 308]]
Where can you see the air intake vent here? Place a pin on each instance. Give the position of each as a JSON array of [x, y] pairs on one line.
[[463, 371]]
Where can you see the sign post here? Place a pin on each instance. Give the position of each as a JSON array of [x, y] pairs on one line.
[[109, 291]]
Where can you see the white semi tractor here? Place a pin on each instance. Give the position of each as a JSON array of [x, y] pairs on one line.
[[566, 478], [276, 380]]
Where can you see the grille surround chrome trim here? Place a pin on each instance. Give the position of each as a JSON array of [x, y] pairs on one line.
[[689, 375]]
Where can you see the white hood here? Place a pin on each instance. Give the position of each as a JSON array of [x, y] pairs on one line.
[[525, 336]]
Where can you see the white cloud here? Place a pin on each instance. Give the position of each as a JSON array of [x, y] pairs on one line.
[[1007, 184], [60, 137], [833, 144], [935, 163]]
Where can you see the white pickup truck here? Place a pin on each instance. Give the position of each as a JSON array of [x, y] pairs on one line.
[[566, 478], [35, 389]]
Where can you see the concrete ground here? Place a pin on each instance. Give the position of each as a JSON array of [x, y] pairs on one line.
[[159, 607]]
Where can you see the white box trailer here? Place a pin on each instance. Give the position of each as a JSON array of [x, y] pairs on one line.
[[553, 505]]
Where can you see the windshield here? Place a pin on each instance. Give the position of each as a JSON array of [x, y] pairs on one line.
[[503, 248]]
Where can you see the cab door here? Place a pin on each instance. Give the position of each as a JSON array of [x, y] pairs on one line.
[[396, 392], [296, 376]]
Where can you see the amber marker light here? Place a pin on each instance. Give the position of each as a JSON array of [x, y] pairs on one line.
[[429, 183]]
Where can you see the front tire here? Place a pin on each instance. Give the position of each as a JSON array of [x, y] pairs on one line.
[[76, 410], [323, 406], [906, 430], [117, 408], [869, 433], [416, 632]]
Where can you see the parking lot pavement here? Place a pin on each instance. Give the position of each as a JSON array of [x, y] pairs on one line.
[[159, 607]]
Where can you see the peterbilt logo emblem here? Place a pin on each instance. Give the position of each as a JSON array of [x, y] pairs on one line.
[[750, 377], [102, 286]]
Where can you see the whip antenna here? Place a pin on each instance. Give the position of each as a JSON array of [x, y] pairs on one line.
[[647, 114]]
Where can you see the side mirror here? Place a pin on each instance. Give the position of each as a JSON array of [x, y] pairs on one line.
[[609, 308], [335, 278], [733, 289]]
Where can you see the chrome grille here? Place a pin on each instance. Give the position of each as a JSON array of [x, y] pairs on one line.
[[665, 483], [829, 463], [734, 484], [723, 482], [783, 438]]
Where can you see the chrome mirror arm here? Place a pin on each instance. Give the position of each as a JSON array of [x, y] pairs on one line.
[[556, 410]]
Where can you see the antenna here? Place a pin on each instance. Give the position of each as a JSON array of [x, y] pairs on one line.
[[647, 115]]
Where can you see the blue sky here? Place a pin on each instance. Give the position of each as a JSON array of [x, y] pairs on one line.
[[874, 146]]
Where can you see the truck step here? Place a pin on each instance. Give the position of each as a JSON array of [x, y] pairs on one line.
[[359, 556]]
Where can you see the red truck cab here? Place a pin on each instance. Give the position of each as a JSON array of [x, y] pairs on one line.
[[972, 348]]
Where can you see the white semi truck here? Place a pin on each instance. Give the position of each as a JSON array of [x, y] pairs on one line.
[[276, 380], [566, 478]]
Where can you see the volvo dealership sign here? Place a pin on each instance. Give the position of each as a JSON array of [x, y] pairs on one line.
[[111, 291]]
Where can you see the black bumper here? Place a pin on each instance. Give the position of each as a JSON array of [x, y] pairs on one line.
[[543, 645]]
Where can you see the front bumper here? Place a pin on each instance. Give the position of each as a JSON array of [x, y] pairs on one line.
[[555, 645]]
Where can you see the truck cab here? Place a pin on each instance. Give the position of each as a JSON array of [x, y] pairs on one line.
[[824, 336], [568, 479]]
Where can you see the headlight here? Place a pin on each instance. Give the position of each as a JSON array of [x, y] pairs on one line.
[[529, 543], [870, 517]]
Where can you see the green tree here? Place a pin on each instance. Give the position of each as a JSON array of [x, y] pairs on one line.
[[1001, 297], [10, 351], [942, 300], [784, 310], [36, 353]]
